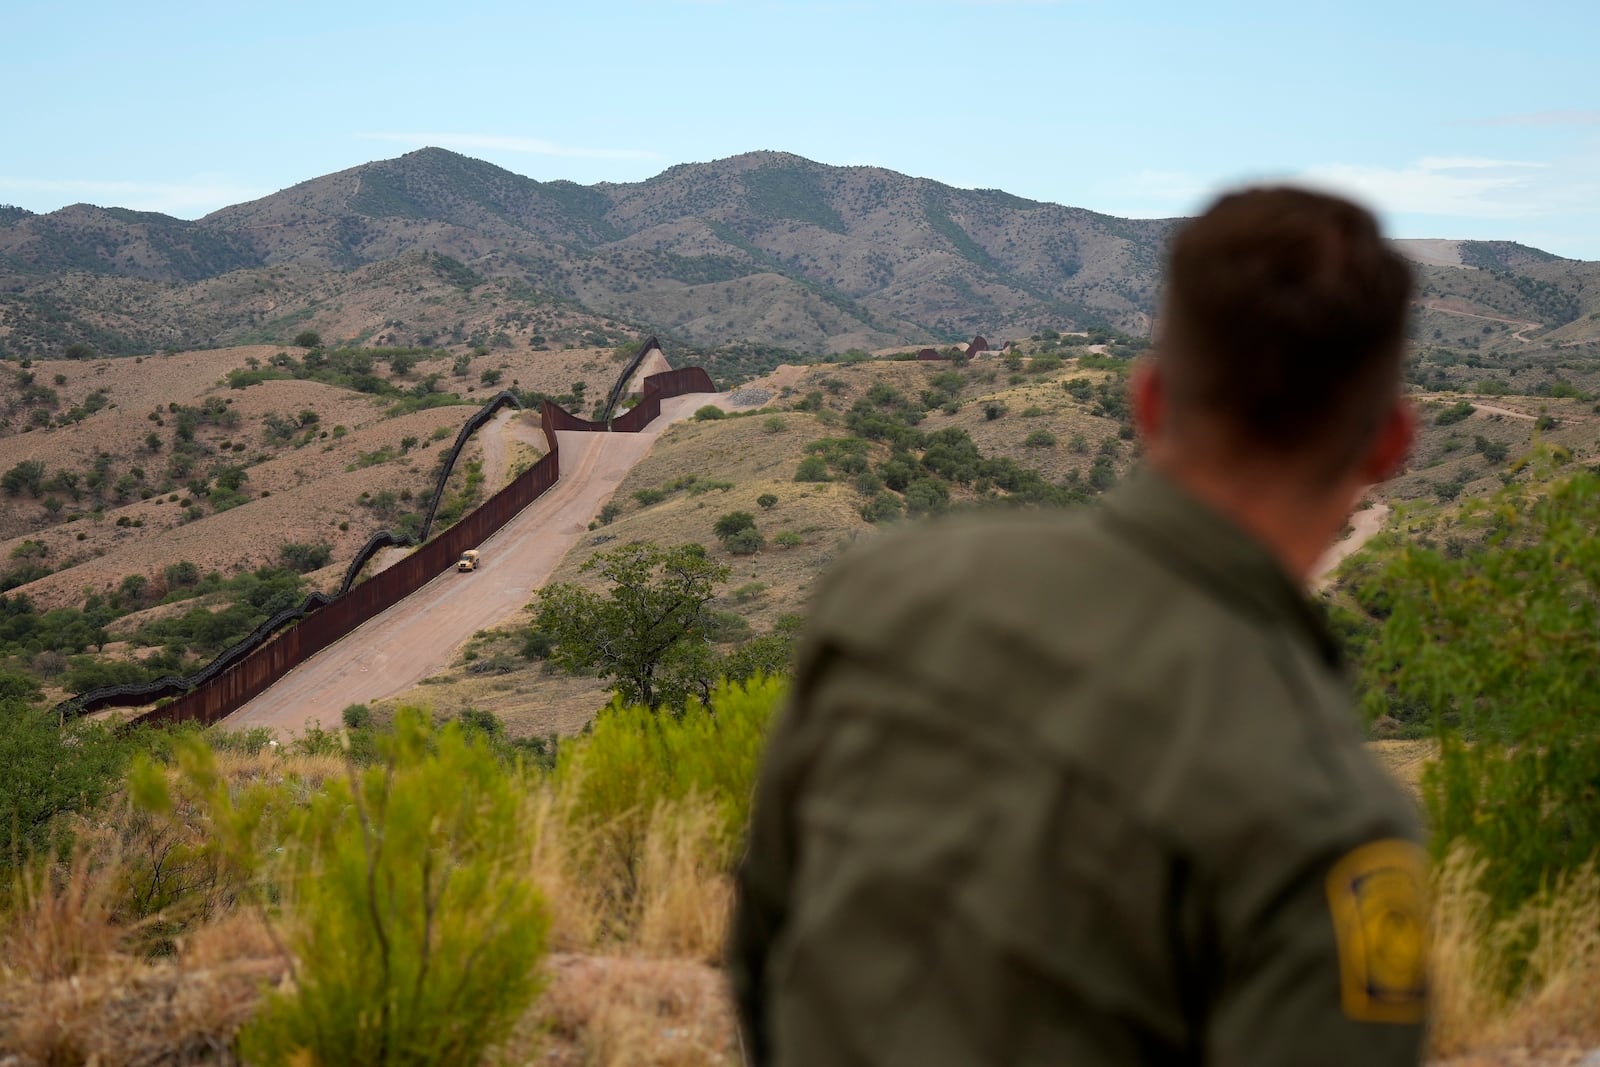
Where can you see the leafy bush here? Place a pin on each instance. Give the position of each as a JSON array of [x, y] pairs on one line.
[[733, 522], [1040, 439], [812, 469], [305, 558], [647, 497], [746, 542], [50, 770], [709, 413], [1499, 643], [308, 339], [418, 936], [1454, 413], [767, 501], [882, 507]]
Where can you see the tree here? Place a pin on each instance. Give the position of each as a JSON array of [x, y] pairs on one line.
[[27, 475], [646, 632], [308, 339], [733, 522]]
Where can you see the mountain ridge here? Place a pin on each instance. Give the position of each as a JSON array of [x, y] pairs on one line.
[[763, 246]]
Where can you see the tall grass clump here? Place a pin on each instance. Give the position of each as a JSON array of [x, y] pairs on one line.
[[641, 820]]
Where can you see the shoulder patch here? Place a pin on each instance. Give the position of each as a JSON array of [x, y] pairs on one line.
[[1378, 899]]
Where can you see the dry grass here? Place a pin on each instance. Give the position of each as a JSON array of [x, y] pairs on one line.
[[671, 900], [634, 943], [1481, 1003], [74, 990], [616, 1012], [64, 921]]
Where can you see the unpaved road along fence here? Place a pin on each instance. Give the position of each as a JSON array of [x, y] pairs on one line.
[[258, 668]]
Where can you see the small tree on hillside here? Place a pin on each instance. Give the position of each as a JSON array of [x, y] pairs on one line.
[[646, 632], [732, 523]]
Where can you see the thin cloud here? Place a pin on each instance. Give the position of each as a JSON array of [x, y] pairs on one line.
[[1468, 187], [185, 199], [1556, 117], [495, 142]]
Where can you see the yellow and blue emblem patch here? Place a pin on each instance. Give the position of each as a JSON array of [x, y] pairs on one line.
[[1378, 897]]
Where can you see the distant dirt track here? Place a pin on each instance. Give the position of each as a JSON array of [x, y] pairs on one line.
[[419, 635], [1364, 526]]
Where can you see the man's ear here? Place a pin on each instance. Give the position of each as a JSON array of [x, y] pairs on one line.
[[1392, 444], [1147, 392]]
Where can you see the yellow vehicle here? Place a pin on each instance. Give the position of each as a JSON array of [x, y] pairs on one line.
[[468, 560]]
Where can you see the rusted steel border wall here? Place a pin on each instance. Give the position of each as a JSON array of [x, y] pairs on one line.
[[260, 664], [621, 385], [136, 693]]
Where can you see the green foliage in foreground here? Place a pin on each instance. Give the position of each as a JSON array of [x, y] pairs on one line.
[[1500, 643], [635, 760], [417, 934], [48, 769]]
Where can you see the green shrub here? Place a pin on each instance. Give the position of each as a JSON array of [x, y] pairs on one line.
[[304, 558], [355, 716], [1040, 439], [50, 770], [812, 469], [788, 539], [745, 542], [1454, 413], [882, 507], [709, 413], [418, 934], [1499, 643], [732, 523], [1045, 364], [646, 497], [767, 501]]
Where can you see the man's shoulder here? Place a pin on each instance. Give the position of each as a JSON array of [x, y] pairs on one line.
[[969, 557]]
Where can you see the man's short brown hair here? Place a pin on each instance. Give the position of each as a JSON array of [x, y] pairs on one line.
[[1284, 324]]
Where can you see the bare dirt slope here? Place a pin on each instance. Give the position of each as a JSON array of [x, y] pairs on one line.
[[418, 636]]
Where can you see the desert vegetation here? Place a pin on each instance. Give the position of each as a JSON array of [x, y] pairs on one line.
[[556, 884]]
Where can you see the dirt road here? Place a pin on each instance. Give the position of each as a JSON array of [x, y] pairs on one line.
[[415, 638], [1477, 404], [1364, 526]]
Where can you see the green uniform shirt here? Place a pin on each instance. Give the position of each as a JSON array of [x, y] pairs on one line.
[[1073, 790]]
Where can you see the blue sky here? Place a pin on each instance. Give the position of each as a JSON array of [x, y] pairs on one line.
[[1458, 119]]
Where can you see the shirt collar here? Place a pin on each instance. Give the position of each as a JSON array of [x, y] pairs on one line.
[[1207, 547]]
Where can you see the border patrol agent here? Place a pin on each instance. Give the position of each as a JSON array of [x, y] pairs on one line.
[[1088, 789]]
